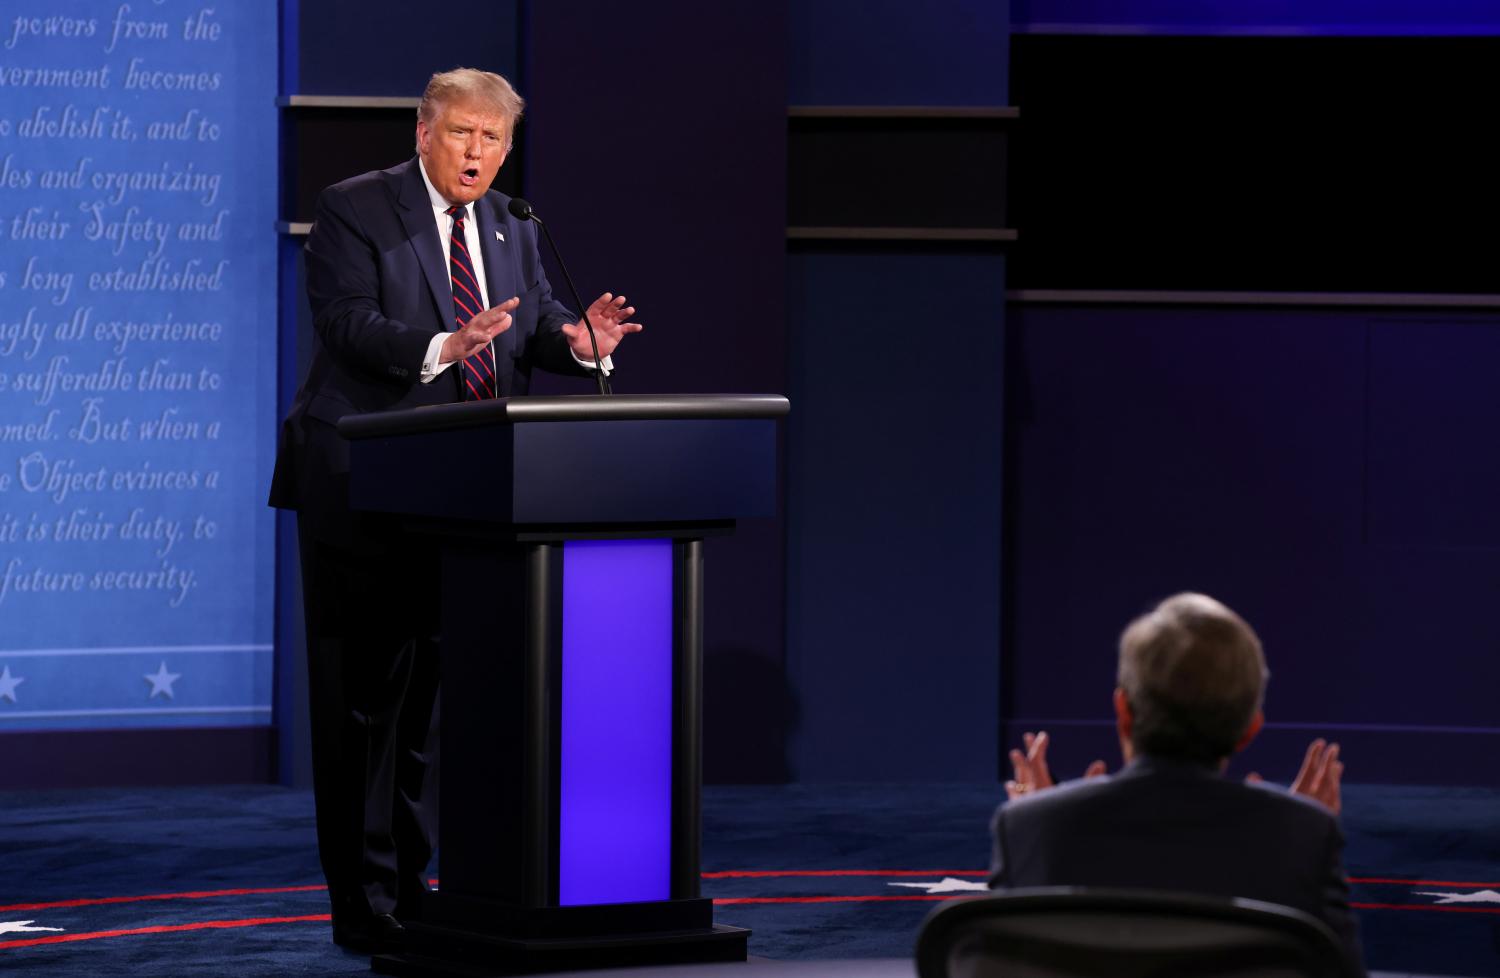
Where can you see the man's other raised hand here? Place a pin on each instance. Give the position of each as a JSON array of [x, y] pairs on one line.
[[608, 314]]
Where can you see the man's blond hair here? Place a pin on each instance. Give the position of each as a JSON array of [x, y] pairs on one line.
[[470, 86]]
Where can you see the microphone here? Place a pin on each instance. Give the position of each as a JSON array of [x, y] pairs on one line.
[[521, 211]]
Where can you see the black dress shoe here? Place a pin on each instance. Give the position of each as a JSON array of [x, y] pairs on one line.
[[376, 934]]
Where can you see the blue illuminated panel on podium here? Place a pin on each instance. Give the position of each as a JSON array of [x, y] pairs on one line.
[[615, 812]]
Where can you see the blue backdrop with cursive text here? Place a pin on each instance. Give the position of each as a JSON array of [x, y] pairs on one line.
[[137, 358]]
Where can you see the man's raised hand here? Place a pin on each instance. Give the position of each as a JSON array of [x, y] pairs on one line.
[[478, 332]]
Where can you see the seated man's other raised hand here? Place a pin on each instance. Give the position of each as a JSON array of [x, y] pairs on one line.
[[1029, 768], [1320, 775]]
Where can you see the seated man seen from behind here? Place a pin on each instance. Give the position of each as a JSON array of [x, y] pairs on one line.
[[1191, 682]]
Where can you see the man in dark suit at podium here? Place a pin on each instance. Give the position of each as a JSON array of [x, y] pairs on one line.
[[1191, 681], [424, 290]]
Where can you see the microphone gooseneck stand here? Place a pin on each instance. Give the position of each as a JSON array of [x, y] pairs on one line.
[[521, 210]]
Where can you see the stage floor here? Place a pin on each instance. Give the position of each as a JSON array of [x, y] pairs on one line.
[[757, 968], [833, 880]]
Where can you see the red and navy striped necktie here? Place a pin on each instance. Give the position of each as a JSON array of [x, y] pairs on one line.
[[479, 369]]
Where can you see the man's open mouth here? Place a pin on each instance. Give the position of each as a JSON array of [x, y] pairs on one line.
[[469, 177]]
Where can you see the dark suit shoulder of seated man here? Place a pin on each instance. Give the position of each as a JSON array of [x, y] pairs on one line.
[[1190, 686]]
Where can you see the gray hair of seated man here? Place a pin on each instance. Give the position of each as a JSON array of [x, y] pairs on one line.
[[1194, 675]]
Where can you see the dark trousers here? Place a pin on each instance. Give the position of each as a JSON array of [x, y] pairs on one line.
[[372, 653]]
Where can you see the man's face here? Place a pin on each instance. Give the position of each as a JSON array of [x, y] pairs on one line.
[[462, 150]]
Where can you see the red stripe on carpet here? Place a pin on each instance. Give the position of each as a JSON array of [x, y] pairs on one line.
[[193, 895], [1445, 907], [831, 899], [324, 918], [739, 874], [725, 901], [166, 929], [1373, 879], [724, 874]]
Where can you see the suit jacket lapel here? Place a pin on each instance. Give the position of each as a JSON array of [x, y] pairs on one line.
[[499, 279], [422, 231]]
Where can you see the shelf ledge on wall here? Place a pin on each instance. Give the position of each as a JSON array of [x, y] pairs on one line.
[[903, 112], [899, 234], [346, 102], [1418, 300]]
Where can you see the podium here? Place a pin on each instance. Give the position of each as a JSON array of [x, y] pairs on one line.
[[571, 532]]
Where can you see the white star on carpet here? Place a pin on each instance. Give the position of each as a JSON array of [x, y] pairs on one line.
[[8, 684], [161, 683], [1478, 896], [22, 927], [948, 884]]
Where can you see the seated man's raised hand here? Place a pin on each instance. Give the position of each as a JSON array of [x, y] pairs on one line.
[[1319, 777], [1029, 768]]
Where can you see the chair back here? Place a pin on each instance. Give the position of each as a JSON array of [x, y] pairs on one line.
[[1080, 932]]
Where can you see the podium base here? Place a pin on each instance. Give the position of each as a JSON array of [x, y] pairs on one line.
[[447, 952]]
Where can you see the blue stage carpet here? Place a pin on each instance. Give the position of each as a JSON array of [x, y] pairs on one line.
[[225, 881]]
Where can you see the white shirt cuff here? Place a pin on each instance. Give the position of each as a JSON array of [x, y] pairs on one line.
[[430, 366], [606, 363]]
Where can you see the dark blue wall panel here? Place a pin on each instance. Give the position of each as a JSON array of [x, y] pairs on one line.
[[893, 462], [892, 52], [1347, 17], [294, 353], [1330, 475], [1434, 442], [666, 182], [894, 476], [656, 152], [358, 47]]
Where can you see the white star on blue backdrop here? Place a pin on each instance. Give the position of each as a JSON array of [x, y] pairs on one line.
[[8, 684], [161, 683]]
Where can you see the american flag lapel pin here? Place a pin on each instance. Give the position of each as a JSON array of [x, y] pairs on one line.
[[499, 236]]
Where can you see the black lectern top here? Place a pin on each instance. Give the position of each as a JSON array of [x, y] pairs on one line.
[[586, 407], [662, 459]]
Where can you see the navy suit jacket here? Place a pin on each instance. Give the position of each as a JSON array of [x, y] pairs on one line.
[[1169, 825], [379, 290]]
